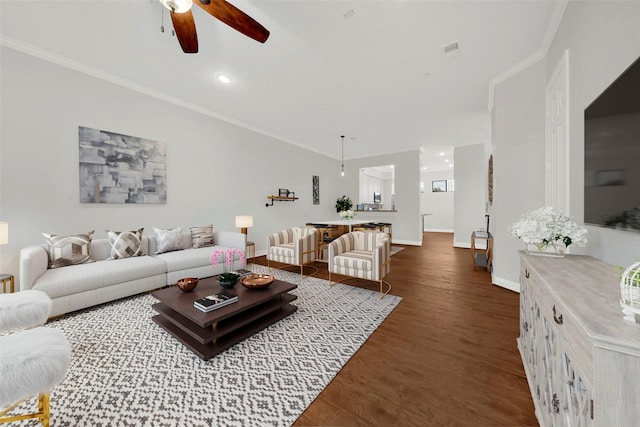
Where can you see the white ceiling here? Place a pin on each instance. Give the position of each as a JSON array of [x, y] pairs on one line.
[[373, 71]]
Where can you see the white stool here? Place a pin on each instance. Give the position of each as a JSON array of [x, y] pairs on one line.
[[32, 361]]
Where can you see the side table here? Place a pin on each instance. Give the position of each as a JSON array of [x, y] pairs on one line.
[[4, 278], [251, 250], [481, 249]]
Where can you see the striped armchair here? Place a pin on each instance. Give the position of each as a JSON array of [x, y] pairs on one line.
[[361, 254], [295, 246]]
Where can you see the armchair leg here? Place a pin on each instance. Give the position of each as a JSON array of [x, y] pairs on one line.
[[382, 295]]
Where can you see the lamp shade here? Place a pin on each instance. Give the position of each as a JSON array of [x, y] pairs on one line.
[[4, 233], [244, 221]]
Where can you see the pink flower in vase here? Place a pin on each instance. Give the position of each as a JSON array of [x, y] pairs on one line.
[[215, 257]]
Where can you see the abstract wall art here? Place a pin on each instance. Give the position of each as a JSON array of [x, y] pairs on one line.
[[116, 168]]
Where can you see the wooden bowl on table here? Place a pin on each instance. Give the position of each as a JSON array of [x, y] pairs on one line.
[[188, 284], [257, 281]]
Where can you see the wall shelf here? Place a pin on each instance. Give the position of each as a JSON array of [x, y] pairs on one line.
[[280, 199]]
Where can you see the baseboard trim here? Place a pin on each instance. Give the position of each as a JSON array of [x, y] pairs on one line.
[[507, 284], [438, 230], [406, 242], [466, 245]]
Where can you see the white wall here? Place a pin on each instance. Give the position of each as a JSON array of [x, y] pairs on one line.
[[438, 205], [518, 165], [603, 39], [215, 170], [471, 192]]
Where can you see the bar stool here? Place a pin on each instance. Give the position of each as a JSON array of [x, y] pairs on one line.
[[384, 226]]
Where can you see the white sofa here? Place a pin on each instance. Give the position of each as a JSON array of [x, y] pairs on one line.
[[84, 285]]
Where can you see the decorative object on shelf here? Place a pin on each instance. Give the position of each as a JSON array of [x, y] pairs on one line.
[[343, 204], [316, 189], [257, 281], [188, 284], [283, 192], [348, 214], [290, 198], [548, 231], [228, 280], [630, 291], [229, 254], [243, 222]]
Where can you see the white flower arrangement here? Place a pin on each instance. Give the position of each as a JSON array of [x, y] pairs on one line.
[[348, 214], [547, 227]]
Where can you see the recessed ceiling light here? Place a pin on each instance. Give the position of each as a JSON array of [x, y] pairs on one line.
[[441, 153], [223, 78], [451, 165], [446, 160]]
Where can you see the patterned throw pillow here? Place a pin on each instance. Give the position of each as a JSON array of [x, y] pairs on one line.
[[202, 236], [125, 244], [168, 240], [68, 250]]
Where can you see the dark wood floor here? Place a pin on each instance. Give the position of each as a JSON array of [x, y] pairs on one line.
[[446, 356]]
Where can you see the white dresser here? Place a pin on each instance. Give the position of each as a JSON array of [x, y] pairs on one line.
[[581, 358]]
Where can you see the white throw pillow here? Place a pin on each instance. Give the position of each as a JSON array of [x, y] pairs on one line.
[[168, 240]]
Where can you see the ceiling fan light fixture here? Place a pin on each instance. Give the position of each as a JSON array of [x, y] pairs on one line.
[[177, 6]]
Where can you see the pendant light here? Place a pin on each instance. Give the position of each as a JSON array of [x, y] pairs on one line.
[[342, 170]]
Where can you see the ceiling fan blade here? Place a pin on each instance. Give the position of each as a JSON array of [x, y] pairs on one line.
[[185, 28], [235, 18]]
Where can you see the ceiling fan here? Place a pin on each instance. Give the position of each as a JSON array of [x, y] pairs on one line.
[[185, 26]]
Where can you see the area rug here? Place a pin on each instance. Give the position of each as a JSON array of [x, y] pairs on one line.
[[127, 371]]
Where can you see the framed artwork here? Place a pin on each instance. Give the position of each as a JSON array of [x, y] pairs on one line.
[[439, 186], [315, 179], [116, 168]]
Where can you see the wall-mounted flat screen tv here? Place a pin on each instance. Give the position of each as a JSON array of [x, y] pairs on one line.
[[612, 154]]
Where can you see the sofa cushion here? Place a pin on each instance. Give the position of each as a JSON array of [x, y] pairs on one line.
[[68, 250], [361, 260], [85, 277], [202, 236], [168, 240], [125, 244]]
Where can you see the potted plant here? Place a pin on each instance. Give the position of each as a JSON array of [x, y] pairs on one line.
[[343, 204]]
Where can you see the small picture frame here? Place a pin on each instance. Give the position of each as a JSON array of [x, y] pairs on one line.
[[283, 192], [439, 186]]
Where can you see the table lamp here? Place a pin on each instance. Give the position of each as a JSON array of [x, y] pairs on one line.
[[243, 222], [4, 233], [4, 239]]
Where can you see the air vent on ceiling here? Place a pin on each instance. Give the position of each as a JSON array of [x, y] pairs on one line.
[[451, 48]]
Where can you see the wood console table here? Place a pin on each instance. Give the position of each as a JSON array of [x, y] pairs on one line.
[[207, 334], [581, 358]]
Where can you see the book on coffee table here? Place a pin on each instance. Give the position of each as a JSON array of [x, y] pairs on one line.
[[213, 302]]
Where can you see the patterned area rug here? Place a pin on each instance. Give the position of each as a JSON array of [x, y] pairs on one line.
[[127, 371]]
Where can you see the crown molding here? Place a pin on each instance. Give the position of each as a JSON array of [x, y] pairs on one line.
[[541, 53]]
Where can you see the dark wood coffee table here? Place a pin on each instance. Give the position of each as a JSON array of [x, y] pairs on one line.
[[207, 334]]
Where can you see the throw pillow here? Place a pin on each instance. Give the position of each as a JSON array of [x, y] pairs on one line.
[[68, 250], [125, 244], [202, 236], [168, 240]]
